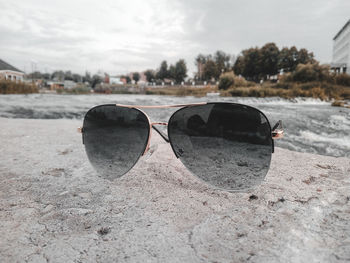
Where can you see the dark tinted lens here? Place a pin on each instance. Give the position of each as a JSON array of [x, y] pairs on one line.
[[114, 138], [227, 145]]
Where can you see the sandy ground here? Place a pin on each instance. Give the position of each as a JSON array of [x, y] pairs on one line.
[[53, 207]]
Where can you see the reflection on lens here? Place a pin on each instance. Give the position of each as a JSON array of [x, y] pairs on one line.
[[226, 145], [114, 138]]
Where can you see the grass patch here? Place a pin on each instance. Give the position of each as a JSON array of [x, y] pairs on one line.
[[319, 90], [11, 87], [340, 103], [182, 91]]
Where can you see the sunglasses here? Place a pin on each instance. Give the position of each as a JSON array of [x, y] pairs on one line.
[[226, 145]]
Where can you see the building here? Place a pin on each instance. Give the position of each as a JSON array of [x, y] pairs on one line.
[[341, 50], [9, 72], [69, 84], [116, 80], [55, 85]]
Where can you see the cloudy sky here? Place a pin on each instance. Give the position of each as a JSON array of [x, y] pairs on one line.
[[120, 36]]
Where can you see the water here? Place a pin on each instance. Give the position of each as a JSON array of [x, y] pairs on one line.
[[310, 125]]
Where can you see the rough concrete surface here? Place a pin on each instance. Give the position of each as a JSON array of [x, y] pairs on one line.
[[54, 208]]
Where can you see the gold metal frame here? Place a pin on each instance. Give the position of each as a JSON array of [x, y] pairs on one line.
[[160, 106], [277, 132]]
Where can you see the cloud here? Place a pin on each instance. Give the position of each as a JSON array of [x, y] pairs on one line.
[[123, 36]]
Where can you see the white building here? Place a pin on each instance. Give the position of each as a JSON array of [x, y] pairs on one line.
[[9, 72], [115, 80], [69, 84], [341, 50]]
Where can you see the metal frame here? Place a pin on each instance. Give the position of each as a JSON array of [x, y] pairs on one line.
[[276, 133], [160, 106]]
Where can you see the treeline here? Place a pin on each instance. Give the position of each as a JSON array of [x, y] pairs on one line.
[[210, 67], [254, 64], [176, 73], [257, 64]]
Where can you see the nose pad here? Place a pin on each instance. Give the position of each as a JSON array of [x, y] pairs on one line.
[[150, 151]]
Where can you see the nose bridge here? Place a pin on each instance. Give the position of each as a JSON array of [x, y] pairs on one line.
[[159, 123]]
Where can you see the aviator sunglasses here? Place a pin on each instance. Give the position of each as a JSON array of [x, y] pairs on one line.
[[226, 145]]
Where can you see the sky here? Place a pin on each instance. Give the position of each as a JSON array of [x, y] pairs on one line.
[[122, 36]]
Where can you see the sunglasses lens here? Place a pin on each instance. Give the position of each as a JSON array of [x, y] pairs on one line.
[[226, 145], [114, 138]]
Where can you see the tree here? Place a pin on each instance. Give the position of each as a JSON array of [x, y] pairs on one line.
[[222, 61], [58, 75], [68, 75], [205, 65], [87, 77], [269, 56], [77, 77], [172, 72], [210, 70], [289, 58], [163, 71], [200, 62], [252, 65], [239, 66], [96, 79], [150, 75], [180, 71], [136, 77], [35, 75], [256, 63], [46, 76], [200, 59], [285, 60], [128, 79], [305, 57]]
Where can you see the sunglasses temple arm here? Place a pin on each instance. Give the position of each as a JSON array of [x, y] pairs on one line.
[[164, 136], [277, 130]]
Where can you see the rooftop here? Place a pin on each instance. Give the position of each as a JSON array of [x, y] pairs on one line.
[[341, 30], [6, 66]]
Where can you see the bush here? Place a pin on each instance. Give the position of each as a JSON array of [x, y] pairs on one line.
[[11, 87], [338, 103], [308, 73], [229, 80], [343, 79], [319, 90], [226, 80]]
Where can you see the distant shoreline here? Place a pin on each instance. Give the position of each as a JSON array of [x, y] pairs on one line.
[[335, 94]]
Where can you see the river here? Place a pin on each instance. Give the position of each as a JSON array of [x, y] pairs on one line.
[[310, 125]]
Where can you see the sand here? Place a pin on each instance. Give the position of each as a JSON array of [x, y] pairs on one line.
[[54, 208]]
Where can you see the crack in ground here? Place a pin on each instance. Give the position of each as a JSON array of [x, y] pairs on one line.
[[190, 242]]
